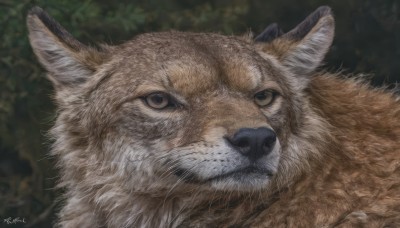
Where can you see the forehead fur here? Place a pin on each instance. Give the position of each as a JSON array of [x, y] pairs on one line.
[[192, 63]]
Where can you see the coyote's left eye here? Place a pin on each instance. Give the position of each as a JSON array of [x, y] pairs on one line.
[[265, 97], [159, 100]]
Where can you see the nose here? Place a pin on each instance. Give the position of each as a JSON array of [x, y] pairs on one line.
[[254, 143]]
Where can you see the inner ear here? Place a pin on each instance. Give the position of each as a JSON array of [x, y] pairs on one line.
[[68, 61]]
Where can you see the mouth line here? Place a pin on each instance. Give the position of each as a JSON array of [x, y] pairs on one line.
[[192, 178], [244, 171]]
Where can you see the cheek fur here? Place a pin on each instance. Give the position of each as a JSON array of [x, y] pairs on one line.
[[140, 126]]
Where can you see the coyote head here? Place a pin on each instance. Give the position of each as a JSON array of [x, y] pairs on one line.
[[172, 111]]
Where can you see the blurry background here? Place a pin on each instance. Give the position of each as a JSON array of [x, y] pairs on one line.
[[367, 40]]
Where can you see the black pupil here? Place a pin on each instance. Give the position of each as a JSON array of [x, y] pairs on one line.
[[158, 99], [261, 96]]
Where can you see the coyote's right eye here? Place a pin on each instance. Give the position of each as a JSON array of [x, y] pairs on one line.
[[265, 97], [159, 100]]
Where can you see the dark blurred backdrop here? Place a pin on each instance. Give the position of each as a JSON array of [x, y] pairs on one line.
[[367, 41]]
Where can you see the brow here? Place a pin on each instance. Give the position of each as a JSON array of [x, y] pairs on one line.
[[166, 80]]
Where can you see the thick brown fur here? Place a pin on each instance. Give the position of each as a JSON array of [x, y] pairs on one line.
[[124, 163]]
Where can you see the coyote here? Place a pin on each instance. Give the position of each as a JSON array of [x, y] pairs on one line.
[[180, 129]]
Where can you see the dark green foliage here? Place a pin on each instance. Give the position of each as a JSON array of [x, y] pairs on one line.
[[367, 40]]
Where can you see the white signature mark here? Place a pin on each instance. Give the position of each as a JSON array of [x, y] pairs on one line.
[[16, 220]]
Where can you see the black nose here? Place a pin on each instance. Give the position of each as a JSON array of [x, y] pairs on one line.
[[254, 143]]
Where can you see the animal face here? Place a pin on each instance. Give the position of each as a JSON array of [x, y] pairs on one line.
[[194, 107], [177, 110]]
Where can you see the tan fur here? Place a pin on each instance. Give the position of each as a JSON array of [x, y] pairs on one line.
[[336, 162]]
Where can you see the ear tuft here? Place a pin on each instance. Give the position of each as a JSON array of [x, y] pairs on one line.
[[68, 61]]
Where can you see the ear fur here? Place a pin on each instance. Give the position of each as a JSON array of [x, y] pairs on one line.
[[68, 61], [303, 48], [270, 33], [314, 37]]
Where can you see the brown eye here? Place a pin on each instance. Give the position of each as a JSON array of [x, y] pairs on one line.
[[264, 98], [158, 100]]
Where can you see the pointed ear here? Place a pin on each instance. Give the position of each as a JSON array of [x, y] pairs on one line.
[[303, 49], [68, 61], [311, 41]]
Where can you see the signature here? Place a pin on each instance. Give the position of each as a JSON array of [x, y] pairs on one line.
[[16, 220]]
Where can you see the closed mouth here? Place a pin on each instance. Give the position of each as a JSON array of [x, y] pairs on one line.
[[241, 173], [190, 177]]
